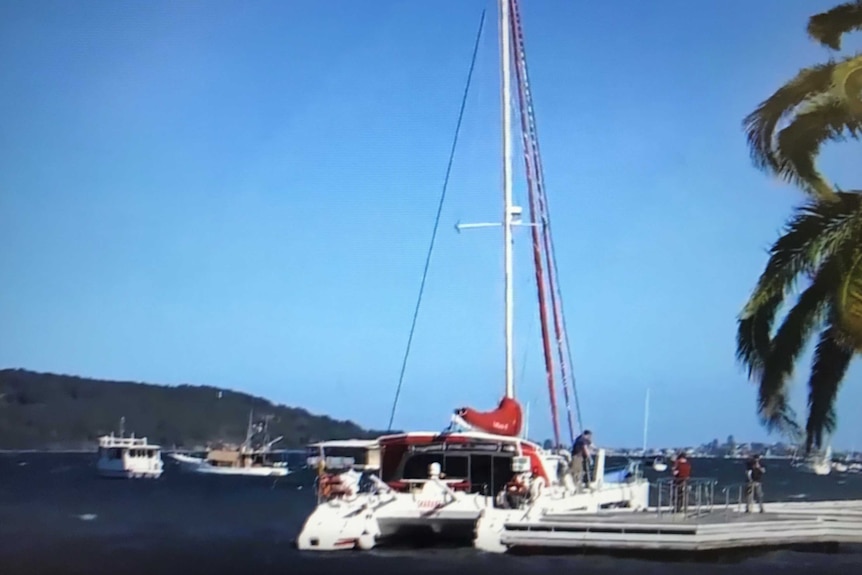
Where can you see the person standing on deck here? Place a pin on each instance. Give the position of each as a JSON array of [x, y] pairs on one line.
[[681, 475], [581, 458], [754, 471]]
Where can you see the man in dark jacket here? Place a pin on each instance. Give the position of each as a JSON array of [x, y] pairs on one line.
[[754, 471], [581, 458]]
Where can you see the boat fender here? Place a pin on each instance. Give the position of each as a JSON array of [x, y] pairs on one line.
[[365, 542]]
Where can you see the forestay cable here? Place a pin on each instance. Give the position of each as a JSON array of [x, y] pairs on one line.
[[437, 219]]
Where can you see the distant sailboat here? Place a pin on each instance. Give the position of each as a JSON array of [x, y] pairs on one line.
[[658, 463], [816, 463]]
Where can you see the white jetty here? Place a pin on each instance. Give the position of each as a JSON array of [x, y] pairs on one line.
[[699, 525]]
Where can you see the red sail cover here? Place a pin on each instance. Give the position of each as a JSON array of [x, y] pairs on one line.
[[505, 420]]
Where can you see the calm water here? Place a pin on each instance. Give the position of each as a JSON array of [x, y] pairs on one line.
[[56, 516]]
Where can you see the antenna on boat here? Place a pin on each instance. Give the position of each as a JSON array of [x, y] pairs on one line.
[[123, 426], [526, 433]]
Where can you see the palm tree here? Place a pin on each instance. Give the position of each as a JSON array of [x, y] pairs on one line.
[[822, 242]]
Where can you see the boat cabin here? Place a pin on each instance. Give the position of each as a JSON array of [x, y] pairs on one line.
[[238, 458], [113, 448], [345, 454], [469, 461]]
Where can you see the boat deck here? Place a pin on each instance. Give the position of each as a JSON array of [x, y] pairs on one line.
[[719, 528]]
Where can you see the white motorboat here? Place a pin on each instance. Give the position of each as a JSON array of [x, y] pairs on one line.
[[128, 457]]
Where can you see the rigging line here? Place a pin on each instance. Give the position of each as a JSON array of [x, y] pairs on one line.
[[546, 216], [536, 213], [529, 168], [437, 218]]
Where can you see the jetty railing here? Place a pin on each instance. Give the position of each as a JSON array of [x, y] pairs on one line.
[[735, 496], [691, 497]]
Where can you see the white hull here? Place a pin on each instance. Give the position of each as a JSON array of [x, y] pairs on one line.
[[824, 468], [129, 473], [128, 458], [198, 465], [367, 519]]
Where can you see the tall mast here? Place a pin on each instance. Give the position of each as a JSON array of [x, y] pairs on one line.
[[508, 211]]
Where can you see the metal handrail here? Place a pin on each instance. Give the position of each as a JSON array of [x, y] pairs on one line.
[[740, 489], [697, 493]]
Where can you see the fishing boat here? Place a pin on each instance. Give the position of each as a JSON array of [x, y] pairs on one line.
[[480, 473], [128, 457], [254, 457]]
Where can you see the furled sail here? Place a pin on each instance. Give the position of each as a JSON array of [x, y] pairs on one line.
[[505, 420]]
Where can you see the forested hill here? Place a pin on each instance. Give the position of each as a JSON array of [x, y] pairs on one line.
[[49, 411]]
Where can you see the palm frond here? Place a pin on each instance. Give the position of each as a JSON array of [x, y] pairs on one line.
[[753, 335], [789, 342], [830, 363], [817, 231], [828, 27], [761, 125], [847, 84], [797, 146], [849, 301]]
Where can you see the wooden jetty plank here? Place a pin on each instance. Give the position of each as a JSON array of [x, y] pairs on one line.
[[796, 523]]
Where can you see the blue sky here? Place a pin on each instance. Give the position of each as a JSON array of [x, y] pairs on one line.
[[241, 194]]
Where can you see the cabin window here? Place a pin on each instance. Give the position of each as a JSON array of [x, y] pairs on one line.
[[151, 453], [502, 469], [489, 473], [456, 467], [416, 466], [115, 453], [481, 474]]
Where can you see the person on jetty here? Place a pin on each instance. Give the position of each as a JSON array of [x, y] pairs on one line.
[[754, 471], [681, 474], [581, 459]]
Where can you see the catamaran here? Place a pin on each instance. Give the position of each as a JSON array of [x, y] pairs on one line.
[[480, 475]]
